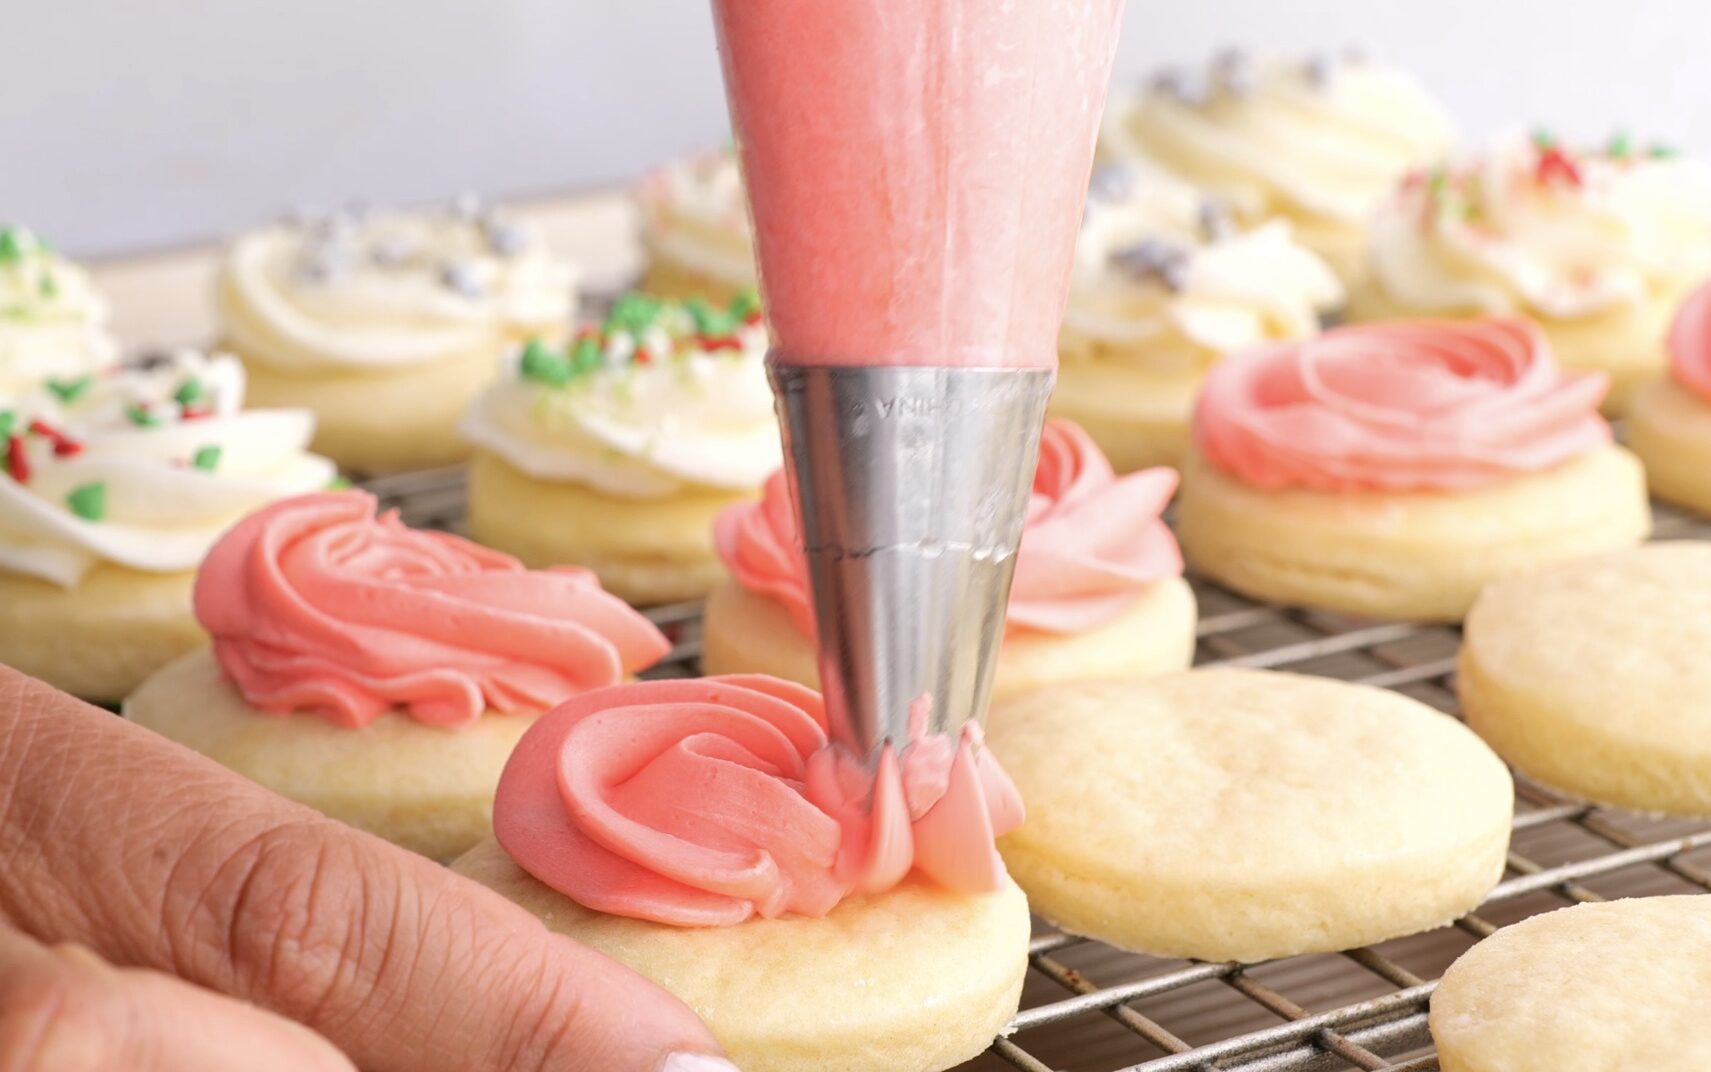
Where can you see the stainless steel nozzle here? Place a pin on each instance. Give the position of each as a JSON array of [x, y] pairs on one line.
[[911, 488]]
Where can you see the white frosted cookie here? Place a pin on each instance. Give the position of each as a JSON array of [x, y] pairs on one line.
[[1593, 676], [912, 980], [1623, 986], [1246, 815]]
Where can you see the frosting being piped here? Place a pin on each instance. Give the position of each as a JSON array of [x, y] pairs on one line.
[[1093, 542], [710, 801], [317, 605], [1402, 406]]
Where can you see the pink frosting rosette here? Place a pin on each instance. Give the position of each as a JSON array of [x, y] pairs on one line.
[[1405, 406], [317, 605], [1690, 343], [1093, 542], [707, 802]]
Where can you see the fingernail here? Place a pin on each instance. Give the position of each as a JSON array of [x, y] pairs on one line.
[[696, 1062]]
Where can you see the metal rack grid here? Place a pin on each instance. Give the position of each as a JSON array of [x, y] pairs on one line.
[[1088, 1007]]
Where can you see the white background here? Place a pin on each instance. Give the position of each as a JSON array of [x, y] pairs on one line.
[[135, 124]]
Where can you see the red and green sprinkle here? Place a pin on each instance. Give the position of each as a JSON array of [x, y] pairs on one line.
[[707, 326]]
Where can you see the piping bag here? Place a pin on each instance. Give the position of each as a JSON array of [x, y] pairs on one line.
[[916, 171]]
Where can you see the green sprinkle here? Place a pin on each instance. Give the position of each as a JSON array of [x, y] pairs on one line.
[[141, 417], [206, 458], [339, 483], [744, 304], [634, 313], [708, 320], [12, 245], [1621, 145], [586, 356], [89, 501], [70, 390], [541, 362], [1663, 152], [1543, 138], [48, 286], [7, 420], [189, 392]]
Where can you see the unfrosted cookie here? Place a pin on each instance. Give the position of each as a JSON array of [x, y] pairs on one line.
[[1593, 677], [1610, 987], [913, 980], [1246, 815]]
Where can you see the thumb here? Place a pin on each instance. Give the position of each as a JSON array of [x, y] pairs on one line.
[[157, 857]]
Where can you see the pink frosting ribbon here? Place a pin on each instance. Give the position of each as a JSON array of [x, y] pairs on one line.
[[706, 802], [317, 605], [1405, 406], [1093, 543], [1690, 343]]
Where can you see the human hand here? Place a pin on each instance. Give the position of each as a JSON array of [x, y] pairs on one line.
[[182, 886]]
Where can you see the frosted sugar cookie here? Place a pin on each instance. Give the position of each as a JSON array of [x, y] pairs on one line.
[[1669, 419], [1597, 247], [1394, 469], [379, 674], [807, 938], [1098, 590], [385, 324]]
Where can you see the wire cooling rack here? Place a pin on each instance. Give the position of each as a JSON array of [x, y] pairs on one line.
[[1088, 1007]]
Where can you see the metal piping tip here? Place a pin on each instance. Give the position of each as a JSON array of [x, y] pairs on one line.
[[911, 487]]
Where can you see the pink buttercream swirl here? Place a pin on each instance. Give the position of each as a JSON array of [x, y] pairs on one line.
[[705, 802], [317, 605], [1690, 343], [1405, 406], [1093, 543]]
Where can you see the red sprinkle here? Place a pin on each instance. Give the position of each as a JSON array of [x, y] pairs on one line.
[[712, 343], [755, 316], [66, 447], [194, 413], [17, 466], [643, 356], [1555, 165]]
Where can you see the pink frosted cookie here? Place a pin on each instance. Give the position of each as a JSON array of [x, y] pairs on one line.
[[1098, 590], [1669, 420], [708, 834], [382, 674], [1394, 469]]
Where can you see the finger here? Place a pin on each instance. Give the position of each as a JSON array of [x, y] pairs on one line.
[[157, 857], [62, 1008]]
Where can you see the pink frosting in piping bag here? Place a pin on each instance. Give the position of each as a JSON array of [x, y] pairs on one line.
[[317, 605], [919, 205], [1690, 343], [1094, 541], [706, 802], [1406, 406]]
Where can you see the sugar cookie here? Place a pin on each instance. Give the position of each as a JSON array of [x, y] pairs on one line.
[[1592, 676], [1592, 988], [1246, 815]]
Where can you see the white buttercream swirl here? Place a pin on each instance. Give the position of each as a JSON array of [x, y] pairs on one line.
[[389, 289], [127, 432], [1533, 227], [53, 322], [1157, 259], [686, 417], [693, 212], [1324, 137]]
